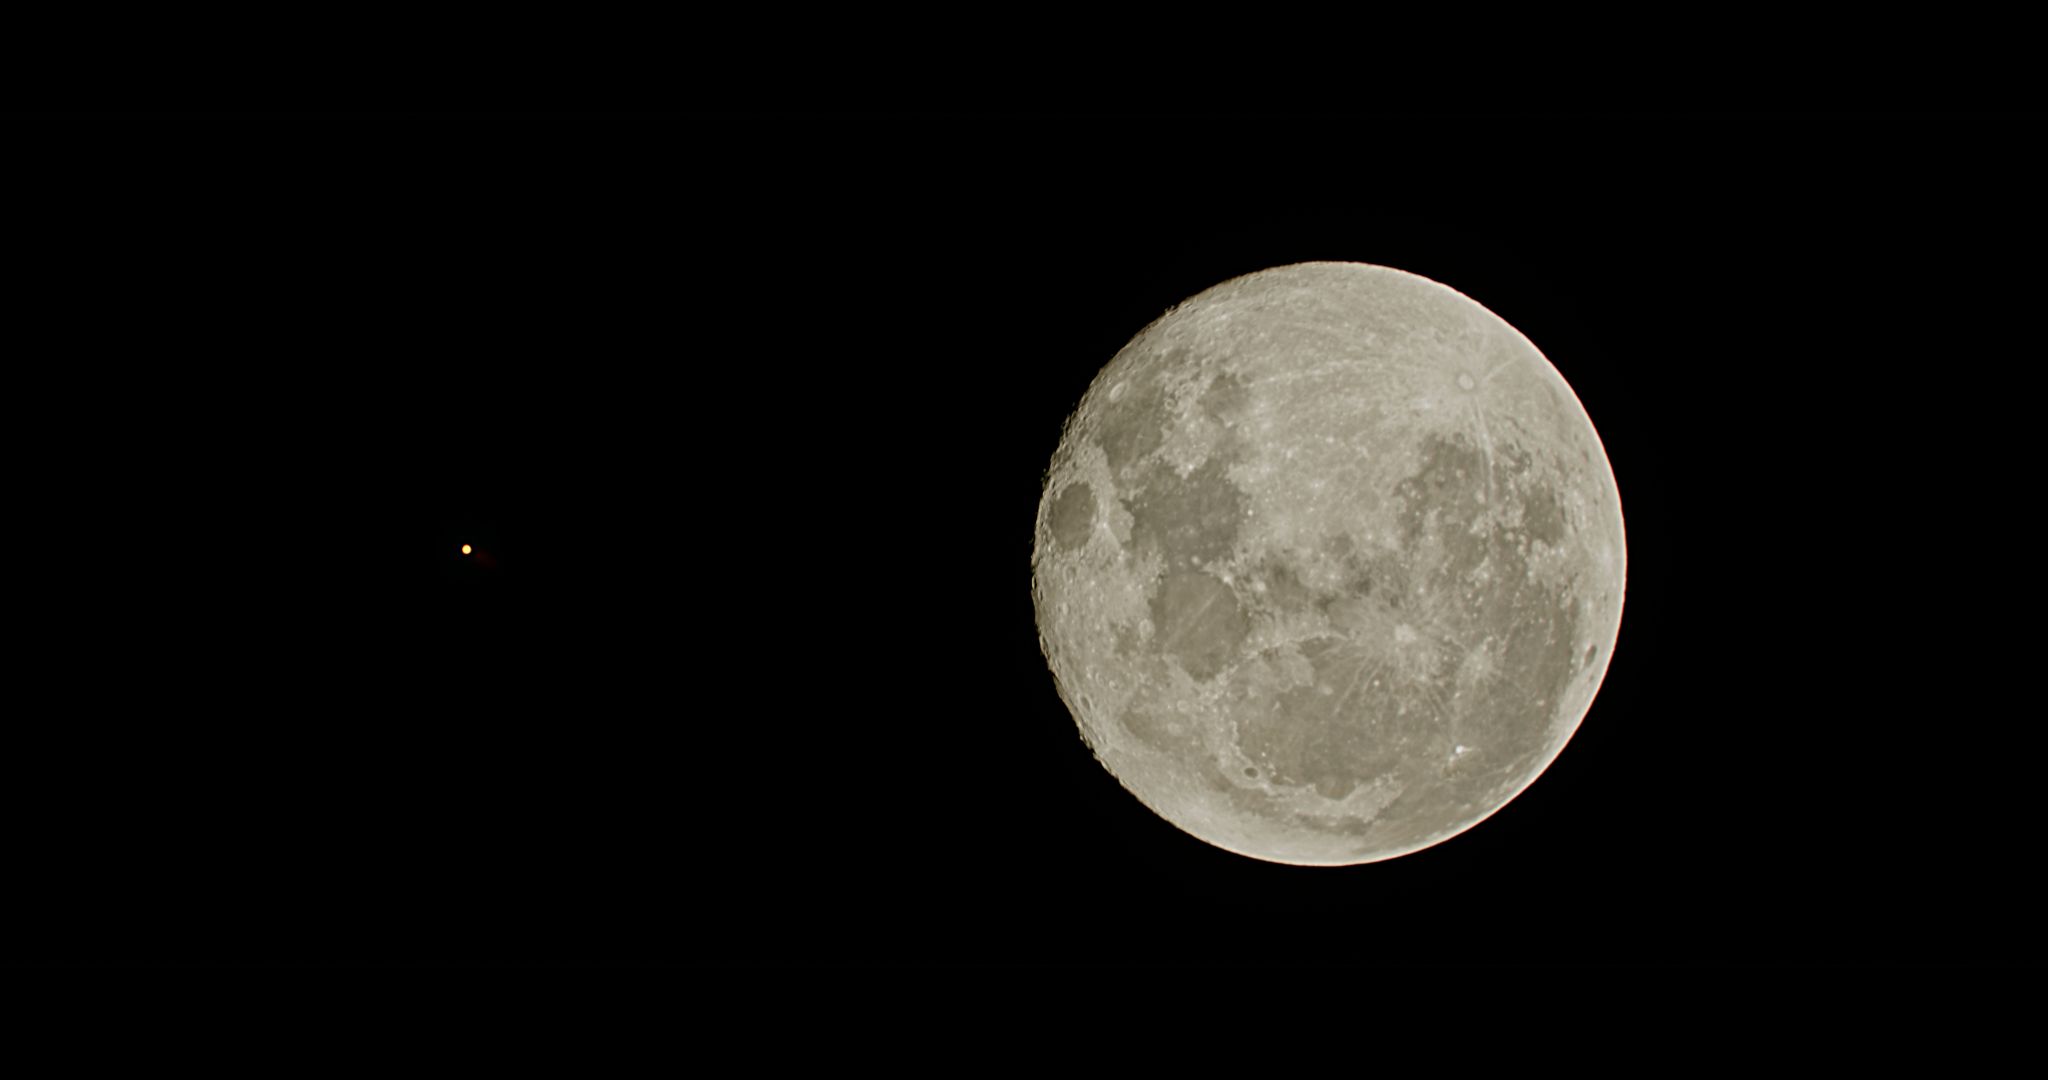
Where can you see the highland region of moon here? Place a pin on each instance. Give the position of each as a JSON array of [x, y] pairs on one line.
[[1329, 564]]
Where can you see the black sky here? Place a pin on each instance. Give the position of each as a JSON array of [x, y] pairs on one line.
[[750, 413]]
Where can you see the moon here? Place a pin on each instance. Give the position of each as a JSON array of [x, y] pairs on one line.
[[1329, 564]]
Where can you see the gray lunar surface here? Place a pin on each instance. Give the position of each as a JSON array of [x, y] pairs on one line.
[[1329, 564]]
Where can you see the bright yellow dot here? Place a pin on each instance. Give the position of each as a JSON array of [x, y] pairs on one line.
[[465, 549]]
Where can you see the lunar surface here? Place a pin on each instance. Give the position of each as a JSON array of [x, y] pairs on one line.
[[1328, 564]]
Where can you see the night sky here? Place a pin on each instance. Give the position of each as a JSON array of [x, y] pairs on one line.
[[746, 417]]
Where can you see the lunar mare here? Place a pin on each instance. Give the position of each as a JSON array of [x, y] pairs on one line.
[[1329, 564]]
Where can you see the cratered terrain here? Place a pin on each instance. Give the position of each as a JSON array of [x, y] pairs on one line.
[[1329, 564]]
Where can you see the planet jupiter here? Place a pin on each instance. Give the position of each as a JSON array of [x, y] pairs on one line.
[[1329, 564]]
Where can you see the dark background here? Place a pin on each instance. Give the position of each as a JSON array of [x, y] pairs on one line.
[[749, 414]]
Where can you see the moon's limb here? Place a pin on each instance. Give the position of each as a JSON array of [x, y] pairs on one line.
[[1329, 564]]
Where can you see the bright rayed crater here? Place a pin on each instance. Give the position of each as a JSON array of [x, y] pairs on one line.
[[1329, 564]]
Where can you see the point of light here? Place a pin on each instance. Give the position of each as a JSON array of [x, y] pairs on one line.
[[465, 549]]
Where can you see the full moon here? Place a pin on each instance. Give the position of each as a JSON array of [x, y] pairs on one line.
[[1329, 564]]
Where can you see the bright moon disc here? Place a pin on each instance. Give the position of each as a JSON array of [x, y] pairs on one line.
[[1329, 564]]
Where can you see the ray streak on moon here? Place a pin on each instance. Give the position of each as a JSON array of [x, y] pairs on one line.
[[1436, 699], [1486, 446], [1301, 598], [1345, 698]]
